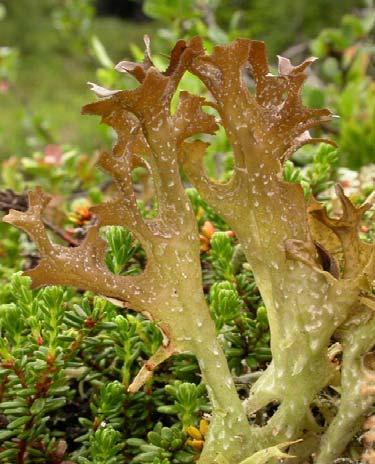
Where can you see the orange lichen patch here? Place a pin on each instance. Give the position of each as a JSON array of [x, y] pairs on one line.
[[204, 243], [81, 214], [197, 435], [203, 427], [207, 231], [84, 212], [195, 444], [194, 433]]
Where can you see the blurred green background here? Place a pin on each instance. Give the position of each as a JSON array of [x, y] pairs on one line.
[[49, 49]]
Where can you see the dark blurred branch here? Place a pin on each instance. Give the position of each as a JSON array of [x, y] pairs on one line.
[[296, 50]]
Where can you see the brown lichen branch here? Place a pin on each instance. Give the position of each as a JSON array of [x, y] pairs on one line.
[[306, 298], [81, 266], [264, 129], [146, 127], [169, 291], [146, 372]]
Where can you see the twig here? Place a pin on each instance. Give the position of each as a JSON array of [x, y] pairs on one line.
[[60, 233], [246, 379]]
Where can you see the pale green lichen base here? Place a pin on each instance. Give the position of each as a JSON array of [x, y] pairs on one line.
[[354, 401]]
